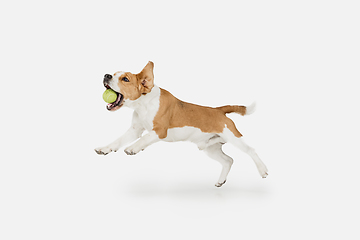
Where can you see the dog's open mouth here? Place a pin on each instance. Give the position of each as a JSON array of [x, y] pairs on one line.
[[118, 102]]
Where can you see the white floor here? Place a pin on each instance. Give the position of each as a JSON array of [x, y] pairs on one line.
[[63, 189]]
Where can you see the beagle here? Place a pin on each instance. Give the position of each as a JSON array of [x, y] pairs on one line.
[[169, 119]]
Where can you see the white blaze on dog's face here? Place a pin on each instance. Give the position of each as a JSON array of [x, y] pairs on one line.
[[113, 84], [130, 86]]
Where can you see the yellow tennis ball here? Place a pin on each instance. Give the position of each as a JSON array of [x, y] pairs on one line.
[[109, 96]]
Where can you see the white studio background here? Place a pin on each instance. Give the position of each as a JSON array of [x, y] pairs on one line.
[[299, 60]]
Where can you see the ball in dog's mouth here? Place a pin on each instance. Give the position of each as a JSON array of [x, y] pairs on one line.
[[118, 102]]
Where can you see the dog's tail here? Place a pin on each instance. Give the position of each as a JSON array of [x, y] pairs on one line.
[[238, 109]]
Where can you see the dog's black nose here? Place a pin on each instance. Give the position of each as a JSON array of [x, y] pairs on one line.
[[108, 76]]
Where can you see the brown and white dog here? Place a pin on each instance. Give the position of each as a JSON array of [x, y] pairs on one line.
[[170, 119]]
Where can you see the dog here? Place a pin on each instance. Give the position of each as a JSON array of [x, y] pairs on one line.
[[169, 119]]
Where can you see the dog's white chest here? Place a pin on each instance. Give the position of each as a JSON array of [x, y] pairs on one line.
[[146, 118], [147, 107]]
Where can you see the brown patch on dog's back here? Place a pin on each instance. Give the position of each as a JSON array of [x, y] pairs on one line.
[[174, 113]]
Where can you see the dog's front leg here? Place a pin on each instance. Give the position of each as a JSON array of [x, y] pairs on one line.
[[130, 135], [142, 143]]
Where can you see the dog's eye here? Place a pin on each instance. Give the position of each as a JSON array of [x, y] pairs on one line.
[[125, 79]]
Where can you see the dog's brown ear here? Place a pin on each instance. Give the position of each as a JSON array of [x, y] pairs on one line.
[[146, 78]]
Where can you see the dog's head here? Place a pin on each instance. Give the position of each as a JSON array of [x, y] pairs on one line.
[[129, 86]]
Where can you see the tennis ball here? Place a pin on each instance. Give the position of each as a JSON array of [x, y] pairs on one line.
[[109, 96]]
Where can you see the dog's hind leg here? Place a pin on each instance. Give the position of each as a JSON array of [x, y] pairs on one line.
[[211, 141], [239, 142], [215, 152]]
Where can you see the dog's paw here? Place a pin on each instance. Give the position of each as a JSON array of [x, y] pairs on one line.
[[131, 150], [263, 172], [220, 184], [103, 150], [201, 145]]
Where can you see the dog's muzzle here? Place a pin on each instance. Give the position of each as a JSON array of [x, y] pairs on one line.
[[107, 79], [120, 98]]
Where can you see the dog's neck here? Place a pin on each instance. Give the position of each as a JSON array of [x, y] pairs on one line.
[[145, 102]]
